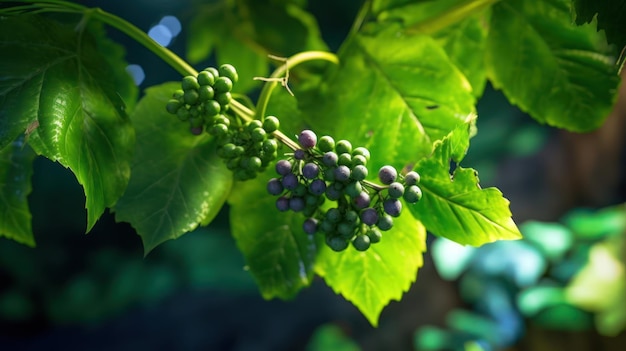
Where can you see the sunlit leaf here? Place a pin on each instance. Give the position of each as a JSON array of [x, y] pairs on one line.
[[178, 182], [278, 253], [15, 172], [363, 277], [55, 79], [569, 76], [454, 206]]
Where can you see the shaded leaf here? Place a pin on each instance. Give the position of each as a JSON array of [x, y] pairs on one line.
[[611, 16], [454, 206], [178, 182], [371, 279], [15, 172], [278, 253], [569, 76], [56, 78]]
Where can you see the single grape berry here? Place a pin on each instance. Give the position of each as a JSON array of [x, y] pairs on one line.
[[330, 159], [228, 71], [332, 193], [196, 130], [353, 189], [206, 78], [392, 207], [310, 170], [223, 85], [412, 194], [333, 215], [271, 124], [359, 172], [274, 186], [387, 174], [310, 225], [361, 151], [337, 243], [283, 167], [342, 173], [395, 190], [290, 181], [343, 146], [361, 242], [212, 107], [307, 139], [205, 93], [362, 200], [190, 83], [385, 222], [296, 204], [282, 203], [213, 71], [369, 216], [345, 159], [317, 187], [412, 178], [191, 97], [173, 105], [299, 154], [374, 234], [326, 143]]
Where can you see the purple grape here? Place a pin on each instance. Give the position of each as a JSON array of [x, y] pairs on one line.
[[307, 139], [362, 200], [317, 187], [275, 186], [387, 174], [310, 170], [283, 167], [330, 159], [395, 190], [392, 207], [196, 130], [299, 154], [297, 204], [310, 226], [342, 173], [411, 178], [369, 216], [290, 181], [332, 193], [282, 203]]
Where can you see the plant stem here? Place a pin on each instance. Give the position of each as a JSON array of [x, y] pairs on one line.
[[450, 17]]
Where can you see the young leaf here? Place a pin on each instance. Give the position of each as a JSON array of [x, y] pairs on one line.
[[389, 90], [178, 181], [278, 253], [371, 279], [561, 74], [55, 78], [15, 171], [455, 207]]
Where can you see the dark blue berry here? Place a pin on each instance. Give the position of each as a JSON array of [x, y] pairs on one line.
[[310, 226], [317, 187], [369, 216], [342, 173], [330, 159], [283, 167], [290, 181], [299, 154], [362, 200], [392, 207], [274, 186], [310, 170], [387, 174], [297, 204], [282, 203]]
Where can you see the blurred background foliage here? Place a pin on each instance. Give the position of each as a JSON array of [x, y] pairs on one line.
[[562, 287]]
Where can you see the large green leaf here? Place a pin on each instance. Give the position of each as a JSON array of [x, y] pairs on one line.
[[278, 253], [178, 181], [371, 279], [561, 74], [391, 89], [56, 86], [15, 172], [454, 206]]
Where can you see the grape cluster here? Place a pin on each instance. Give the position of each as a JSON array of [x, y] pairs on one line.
[[323, 169], [205, 98]]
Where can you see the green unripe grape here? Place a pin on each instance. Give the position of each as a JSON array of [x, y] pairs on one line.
[[311, 200], [351, 217], [337, 243], [229, 71], [190, 83], [270, 146], [374, 234], [359, 160], [412, 194], [241, 174], [213, 71], [258, 134], [211, 108], [193, 111], [254, 164], [359, 172], [353, 189], [239, 150], [271, 124], [228, 150], [412, 178], [206, 78], [300, 190], [361, 242], [178, 94], [173, 105], [345, 159], [395, 190], [252, 125], [361, 151], [223, 98], [233, 163], [327, 226], [385, 222], [329, 175], [195, 122], [333, 215], [191, 97], [326, 143], [183, 114], [345, 230], [205, 93], [218, 130], [343, 146], [221, 119], [223, 85]]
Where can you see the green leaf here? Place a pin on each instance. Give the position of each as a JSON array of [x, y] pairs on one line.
[[569, 77], [15, 172], [56, 81], [278, 253], [371, 279], [455, 207], [178, 181], [390, 90]]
